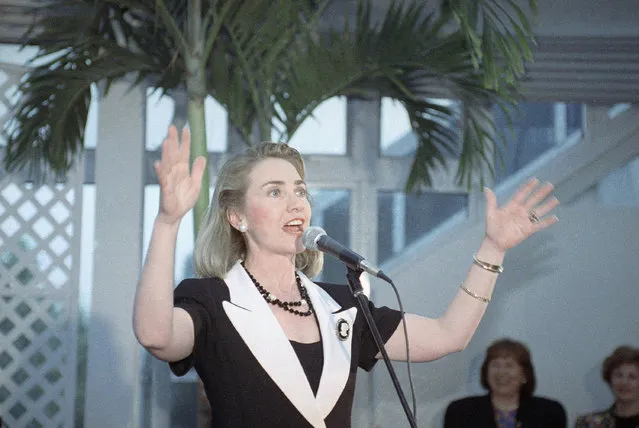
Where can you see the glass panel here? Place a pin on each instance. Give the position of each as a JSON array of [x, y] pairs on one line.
[[184, 404], [91, 129], [331, 212], [216, 126], [617, 109], [185, 243], [396, 133], [20, 55], [322, 133], [536, 128], [15, 54], [159, 115], [404, 218]]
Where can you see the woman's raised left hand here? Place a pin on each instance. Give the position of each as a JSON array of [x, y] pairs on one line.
[[526, 213]]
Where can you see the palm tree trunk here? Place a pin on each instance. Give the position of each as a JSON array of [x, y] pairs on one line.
[[198, 148], [196, 90]]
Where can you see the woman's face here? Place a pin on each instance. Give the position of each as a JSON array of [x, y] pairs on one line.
[[276, 210], [624, 381], [505, 376]]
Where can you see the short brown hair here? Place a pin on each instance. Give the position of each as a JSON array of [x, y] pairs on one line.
[[520, 353], [622, 355]]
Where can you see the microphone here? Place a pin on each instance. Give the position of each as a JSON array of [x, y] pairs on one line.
[[315, 238]]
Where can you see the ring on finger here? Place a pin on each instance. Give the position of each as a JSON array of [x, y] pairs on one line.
[[532, 216]]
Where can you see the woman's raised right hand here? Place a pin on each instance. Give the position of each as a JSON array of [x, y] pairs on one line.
[[179, 185]]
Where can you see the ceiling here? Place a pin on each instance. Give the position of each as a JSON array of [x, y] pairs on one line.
[[592, 18], [605, 32], [16, 16]]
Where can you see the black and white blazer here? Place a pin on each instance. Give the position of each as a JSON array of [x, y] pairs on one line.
[[249, 368]]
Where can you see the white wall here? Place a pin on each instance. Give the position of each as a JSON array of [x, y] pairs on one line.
[[569, 292]]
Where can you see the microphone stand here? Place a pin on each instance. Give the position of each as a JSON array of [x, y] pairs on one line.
[[355, 286]]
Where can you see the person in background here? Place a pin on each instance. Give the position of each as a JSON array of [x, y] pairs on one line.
[[508, 374], [620, 370]]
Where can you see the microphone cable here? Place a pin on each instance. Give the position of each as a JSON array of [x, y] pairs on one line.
[[408, 361]]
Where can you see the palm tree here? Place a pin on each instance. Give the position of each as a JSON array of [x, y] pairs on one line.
[[270, 64]]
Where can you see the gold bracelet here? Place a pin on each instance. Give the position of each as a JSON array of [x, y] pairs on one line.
[[476, 296], [487, 266]]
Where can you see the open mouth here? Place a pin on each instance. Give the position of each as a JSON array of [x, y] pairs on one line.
[[294, 226]]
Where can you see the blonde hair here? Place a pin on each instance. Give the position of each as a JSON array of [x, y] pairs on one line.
[[218, 245]]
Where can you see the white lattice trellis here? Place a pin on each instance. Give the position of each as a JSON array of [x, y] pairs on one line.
[[39, 265]]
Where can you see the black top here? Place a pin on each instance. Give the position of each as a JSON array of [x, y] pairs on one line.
[[312, 359], [626, 422], [478, 412], [607, 419], [241, 392]]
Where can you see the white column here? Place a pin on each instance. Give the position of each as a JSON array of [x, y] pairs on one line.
[[561, 123], [114, 356], [363, 121]]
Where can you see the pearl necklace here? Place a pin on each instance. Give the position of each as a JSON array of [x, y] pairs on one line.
[[287, 306]]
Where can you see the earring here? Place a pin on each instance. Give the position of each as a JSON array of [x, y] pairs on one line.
[[242, 227]]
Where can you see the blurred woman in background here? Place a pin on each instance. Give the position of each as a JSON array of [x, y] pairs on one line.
[[508, 375], [620, 370]]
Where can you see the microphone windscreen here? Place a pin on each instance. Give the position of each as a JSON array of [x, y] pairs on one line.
[[310, 236]]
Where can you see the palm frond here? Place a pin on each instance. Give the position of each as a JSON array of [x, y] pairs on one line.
[[411, 57], [92, 42], [47, 131], [499, 36], [267, 63], [252, 49]]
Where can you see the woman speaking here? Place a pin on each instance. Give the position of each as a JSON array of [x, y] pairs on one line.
[[273, 348]]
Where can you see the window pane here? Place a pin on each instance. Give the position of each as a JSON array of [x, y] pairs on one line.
[[184, 404], [396, 133], [536, 128], [16, 54], [404, 218], [322, 133], [331, 212], [617, 109], [159, 115], [91, 129], [216, 126], [185, 243]]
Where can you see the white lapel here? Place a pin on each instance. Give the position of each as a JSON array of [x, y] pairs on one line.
[[260, 330], [337, 353]]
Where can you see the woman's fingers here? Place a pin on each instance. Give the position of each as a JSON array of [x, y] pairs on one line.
[[173, 146], [525, 190], [545, 222], [173, 153], [197, 172], [538, 196], [546, 207], [185, 149], [491, 200]]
